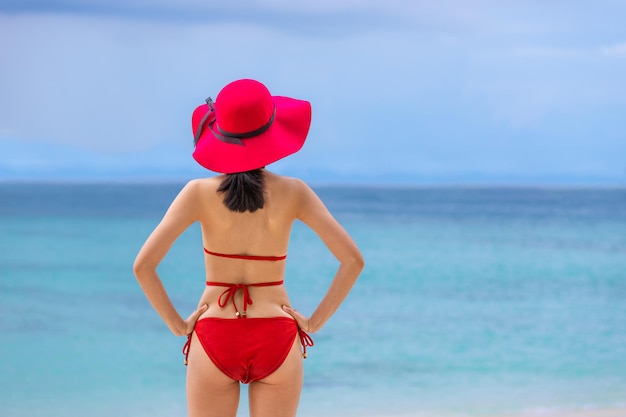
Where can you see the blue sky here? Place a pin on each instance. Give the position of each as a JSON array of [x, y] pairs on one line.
[[403, 91]]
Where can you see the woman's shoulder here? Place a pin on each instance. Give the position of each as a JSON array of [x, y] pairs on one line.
[[198, 189], [203, 183], [284, 180], [285, 183]]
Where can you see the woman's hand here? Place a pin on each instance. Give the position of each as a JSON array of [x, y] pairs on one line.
[[303, 321], [190, 323]]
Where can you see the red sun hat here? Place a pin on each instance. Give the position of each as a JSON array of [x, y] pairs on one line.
[[247, 128]]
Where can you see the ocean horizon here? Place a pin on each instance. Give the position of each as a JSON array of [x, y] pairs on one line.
[[476, 300]]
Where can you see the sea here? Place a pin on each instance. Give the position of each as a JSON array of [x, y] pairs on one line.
[[474, 301]]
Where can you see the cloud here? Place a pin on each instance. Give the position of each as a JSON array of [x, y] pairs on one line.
[[313, 17], [617, 50], [549, 52], [318, 18]]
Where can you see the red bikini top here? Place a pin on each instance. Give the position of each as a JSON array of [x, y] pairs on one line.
[[231, 289], [247, 257]]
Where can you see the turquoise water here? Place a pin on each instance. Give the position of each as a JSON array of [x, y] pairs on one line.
[[474, 301]]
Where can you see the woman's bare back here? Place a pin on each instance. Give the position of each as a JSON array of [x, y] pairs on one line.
[[262, 233]]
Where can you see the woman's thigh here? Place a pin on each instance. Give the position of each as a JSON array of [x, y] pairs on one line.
[[278, 394], [210, 393]]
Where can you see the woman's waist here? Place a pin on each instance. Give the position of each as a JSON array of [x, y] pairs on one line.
[[248, 301], [263, 310]]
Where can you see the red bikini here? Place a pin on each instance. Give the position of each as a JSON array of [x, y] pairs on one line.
[[247, 257], [252, 349]]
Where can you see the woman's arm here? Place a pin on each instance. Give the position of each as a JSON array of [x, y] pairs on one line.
[[180, 215], [314, 213]]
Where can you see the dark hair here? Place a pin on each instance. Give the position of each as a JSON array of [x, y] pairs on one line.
[[244, 191]]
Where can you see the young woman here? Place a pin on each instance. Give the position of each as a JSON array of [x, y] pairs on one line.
[[245, 329]]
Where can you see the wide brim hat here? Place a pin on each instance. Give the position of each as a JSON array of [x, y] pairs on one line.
[[247, 128]]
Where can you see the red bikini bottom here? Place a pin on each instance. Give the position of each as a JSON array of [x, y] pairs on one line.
[[251, 349]]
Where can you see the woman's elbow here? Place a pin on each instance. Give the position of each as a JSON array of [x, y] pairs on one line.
[[356, 262], [360, 262], [142, 268]]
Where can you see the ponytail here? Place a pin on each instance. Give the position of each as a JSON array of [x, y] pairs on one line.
[[244, 191]]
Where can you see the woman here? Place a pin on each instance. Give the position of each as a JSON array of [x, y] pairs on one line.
[[245, 329]]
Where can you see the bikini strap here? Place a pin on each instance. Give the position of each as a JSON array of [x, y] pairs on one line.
[[186, 349], [305, 340], [231, 290], [246, 257]]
